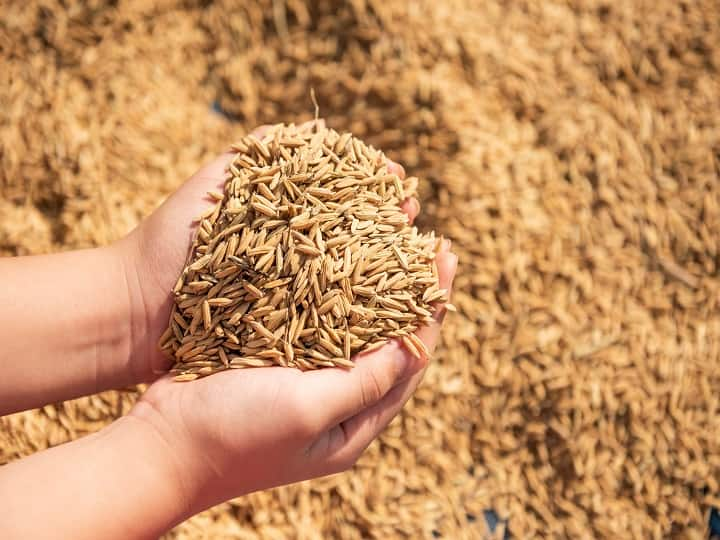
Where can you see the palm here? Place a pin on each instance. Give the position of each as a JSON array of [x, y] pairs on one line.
[[223, 411], [161, 246]]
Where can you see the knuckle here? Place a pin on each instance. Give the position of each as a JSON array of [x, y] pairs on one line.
[[371, 389], [347, 461]]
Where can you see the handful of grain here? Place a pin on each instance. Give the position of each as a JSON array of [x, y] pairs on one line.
[[305, 260]]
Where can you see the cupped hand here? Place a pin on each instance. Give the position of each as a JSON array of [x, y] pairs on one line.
[[243, 430], [155, 253]]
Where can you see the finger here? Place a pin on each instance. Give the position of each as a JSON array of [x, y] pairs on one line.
[[395, 168], [347, 392], [447, 266], [338, 448], [212, 177], [411, 206]]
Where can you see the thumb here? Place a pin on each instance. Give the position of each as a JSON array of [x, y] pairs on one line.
[[347, 392]]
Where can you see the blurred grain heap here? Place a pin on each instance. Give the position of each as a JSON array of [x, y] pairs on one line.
[[573, 152]]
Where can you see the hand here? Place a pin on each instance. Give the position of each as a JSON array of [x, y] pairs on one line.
[[184, 446], [155, 253], [243, 430], [187, 446]]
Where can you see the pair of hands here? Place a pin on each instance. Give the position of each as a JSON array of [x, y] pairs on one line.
[[244, 430]]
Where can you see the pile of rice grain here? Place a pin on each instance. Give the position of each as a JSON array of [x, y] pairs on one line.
[[305, 260], [570, 150]]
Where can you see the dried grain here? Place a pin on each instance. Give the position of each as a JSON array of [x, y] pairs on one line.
[[312, 232]]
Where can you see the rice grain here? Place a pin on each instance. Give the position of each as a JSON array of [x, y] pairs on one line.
[[302, 260]]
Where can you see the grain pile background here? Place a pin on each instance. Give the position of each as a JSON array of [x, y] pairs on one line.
[[573, 153]]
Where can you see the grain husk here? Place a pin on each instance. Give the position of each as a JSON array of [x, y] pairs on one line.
[[267, 316], [568, 149]]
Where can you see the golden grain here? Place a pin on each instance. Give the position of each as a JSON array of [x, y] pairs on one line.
[[346, 262], [585, 220]]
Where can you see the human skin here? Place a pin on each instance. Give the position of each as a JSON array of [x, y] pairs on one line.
[[80, 322]]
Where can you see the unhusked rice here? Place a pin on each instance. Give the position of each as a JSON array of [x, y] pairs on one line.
[[306, 259]]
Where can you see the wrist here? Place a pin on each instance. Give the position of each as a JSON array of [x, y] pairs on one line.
[[196, 480], [145, 323], [145, 464], [121, 483]]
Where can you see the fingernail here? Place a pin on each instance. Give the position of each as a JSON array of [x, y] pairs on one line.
[[416, 205]]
